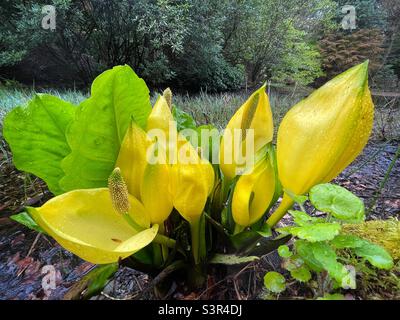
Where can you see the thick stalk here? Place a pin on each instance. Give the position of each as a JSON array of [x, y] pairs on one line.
[[238, 229], [157, 256], [197, 272], [195, 234], [164, 248], [284, 206], [168, 242]]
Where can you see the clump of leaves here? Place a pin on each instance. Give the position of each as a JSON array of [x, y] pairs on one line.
[[319, 242]]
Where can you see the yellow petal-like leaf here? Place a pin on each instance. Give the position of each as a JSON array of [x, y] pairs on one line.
[[255, 114], [85, 223], [132, 158], [325, 132], [191, 183], [155, 188], [160, 116], [253, 193]]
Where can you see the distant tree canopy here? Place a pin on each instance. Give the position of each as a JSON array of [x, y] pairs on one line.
[[343, 50], [192, 44]]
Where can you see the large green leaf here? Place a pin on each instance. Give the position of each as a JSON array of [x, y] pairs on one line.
[[313, 232], [36, 135], [338, 201], [100, 124]]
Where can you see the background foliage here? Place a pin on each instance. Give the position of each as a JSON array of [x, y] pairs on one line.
[[214, 45]]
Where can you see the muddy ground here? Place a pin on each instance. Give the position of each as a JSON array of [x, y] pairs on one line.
[[23, 253]]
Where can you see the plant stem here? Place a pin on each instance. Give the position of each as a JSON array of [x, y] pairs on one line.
[[160, 239], [132, 223], [157, 258], [198, 234], [225, 186], [168, 242], [238, 229], [164, 248], [219, 227], [197, 230], [284, 206], [195, 234]]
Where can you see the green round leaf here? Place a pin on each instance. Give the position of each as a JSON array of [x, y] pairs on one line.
[[301, 218], [327, 258], [301, 274], [274, 282], [314, 232], [376, 255], [305, 250], [372, 252], [284, 251], [338, 201], [347, 241]]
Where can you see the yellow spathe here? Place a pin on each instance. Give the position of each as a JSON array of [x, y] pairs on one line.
[[192, 181], [253, 193], [255, 114], [323, 134], [85, 223]]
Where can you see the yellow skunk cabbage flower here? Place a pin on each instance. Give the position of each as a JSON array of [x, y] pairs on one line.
[[253, 193], [155, 191], [107, 224], [323, 134], [132, 158], [86, 223], [161, 116], [191, 183], [191, 176], [142, 177], [255, 114]]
